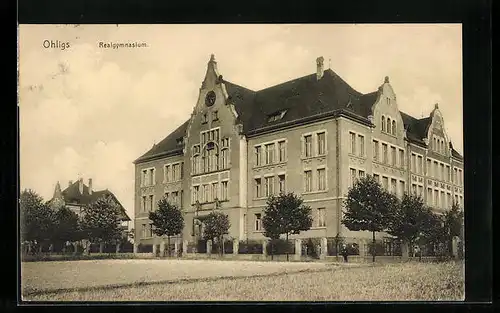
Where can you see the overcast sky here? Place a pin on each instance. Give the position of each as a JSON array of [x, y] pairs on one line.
[[88, 111]]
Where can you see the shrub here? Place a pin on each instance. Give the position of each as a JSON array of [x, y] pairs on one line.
[[378, 246], [142, 248], [280, 246], [201, 246], [312, 247], [250, 247]]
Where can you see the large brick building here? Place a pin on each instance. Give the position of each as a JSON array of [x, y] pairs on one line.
[[313, 135]]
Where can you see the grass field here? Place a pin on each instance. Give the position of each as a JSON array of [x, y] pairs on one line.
[[279, 281]]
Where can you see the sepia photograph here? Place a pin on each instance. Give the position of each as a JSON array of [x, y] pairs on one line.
[[241, 162]]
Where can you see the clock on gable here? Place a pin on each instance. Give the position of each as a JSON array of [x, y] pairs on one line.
[[210, 99]]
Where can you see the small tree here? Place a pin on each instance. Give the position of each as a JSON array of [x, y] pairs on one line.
[[216, 226], [167, 220], [368, 207], [452, 219], [286, 214], [67, 226], [37, 219], [101, 221], [409, 221]]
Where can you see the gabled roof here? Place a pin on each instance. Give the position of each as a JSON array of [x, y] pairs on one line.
[[301, 98], [72, 195]]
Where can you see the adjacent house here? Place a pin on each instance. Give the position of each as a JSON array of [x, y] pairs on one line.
[[78, 195], [314, 135]]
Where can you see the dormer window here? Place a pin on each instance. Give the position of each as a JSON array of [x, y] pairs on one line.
[[276, 116], [180, 141]]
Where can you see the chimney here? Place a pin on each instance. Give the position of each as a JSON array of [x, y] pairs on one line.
[[80, 185], [319, 67], [90, 186], [70, 183]]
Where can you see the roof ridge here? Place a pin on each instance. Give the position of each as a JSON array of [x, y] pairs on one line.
[[286, 82]]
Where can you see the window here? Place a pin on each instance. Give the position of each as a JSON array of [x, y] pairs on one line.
[[353, 176], [210, 158], [361, 174], [436, 198], [269, 186], [383, 123], [258, 155], [384, 152], [429, 196], [225, 142], [442, 171], [150, 229], [413, 162], [308, 181], [353, 142], [361, 139], [321, 143], [215, 193], [308, 146], [143, 203], [276, 116], [269, 149], [224, 158], [204, 118], [152, 177], [205, 193], [167, 174], [443, 198], [151, 202], [394, 185], [401, 188], [447, 173], [414, 189], [434, 144], [435, 170], [401, 158], [245, 223], [144, 233], [420, 165], [176, 172], [420, 191], [375, 150], [258, 188], [377, 177], [455, 176], [281, 182], [394, 127], [321, 217], [196, 194], [385, 182], [224, 190], [429, 167], [258, 222], [388, 125], [321, 179], [393, 156], [175, 197], [282, 151], [215, 115], [449, 200]]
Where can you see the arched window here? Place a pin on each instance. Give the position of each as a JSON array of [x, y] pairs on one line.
[[383, 123], [388, 125], [394, 127]]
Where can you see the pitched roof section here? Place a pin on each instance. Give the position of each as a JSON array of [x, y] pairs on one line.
[[301, 98], [167, 146], [72, 195]]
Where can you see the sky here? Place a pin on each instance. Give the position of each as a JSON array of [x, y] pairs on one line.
[[87, 111]]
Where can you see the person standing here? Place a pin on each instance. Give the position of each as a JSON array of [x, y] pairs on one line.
[[343, 252]]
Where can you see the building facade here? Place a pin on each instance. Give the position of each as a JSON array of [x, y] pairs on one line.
[[314, 136]]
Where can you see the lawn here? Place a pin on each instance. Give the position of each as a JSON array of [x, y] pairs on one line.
[[283, 282]]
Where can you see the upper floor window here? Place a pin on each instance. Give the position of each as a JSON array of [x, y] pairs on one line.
[[383, 123], [276, 116], [352, 136], [215, 115], [258, 156], [308, 146], [258, 188], [180, 141], [321, 143], [269, 186], [307, 181], [204, 118], [361, 140], [393, 156], [321, 217], [321, 179], [401, 158], [282, 151], [384, 153], [225, 143], [224, 158], [375, 150], [388, 128], [281, 183], [224, 190], [148, 177], [394, 127], [258, 222], [269, 150], [210, 157]]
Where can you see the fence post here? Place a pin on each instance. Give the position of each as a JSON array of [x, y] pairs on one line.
[[176, 248], [264, 249], [298, 249], [209, 247], [136, 248], [184, 247], [236, 246], [162, 248], [324, 248], [118, 247]]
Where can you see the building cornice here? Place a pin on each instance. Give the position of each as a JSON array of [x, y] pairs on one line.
[[161, 155]]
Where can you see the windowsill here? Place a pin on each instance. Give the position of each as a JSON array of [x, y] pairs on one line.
[[211, 172], [317, 227], [314, 192], [146, 186], [304, 158], [388, 134], [269, 165], [172, 182], [389, 165], [357, 156], [211, 202]]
